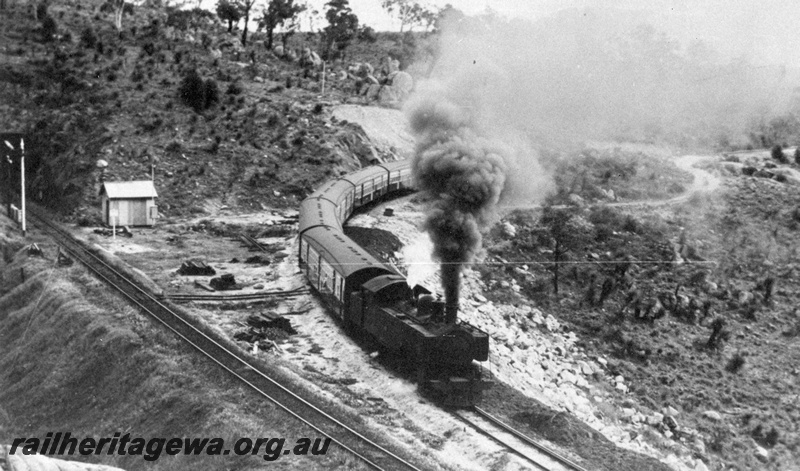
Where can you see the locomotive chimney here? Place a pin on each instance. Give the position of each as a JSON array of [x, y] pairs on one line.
[[450, 313]]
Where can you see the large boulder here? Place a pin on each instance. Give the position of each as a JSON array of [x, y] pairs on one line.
[[397, 88], [310, 59], [402, 82]]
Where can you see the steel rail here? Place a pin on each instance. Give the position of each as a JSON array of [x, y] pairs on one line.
[[499, 441], [549, 459], [528, 440], [80, 252]]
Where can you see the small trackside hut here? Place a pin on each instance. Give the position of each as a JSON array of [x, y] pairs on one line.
[[133, 203]]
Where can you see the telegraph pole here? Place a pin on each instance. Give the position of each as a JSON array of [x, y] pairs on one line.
[[22, 174], [7, 165], [7, 139]]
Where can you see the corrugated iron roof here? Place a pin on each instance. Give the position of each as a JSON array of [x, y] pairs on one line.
[[137, 189]]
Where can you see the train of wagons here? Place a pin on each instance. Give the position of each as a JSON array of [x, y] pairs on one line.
[[372, 297]]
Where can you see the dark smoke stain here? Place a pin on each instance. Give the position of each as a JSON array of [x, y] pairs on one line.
[[463, 174]]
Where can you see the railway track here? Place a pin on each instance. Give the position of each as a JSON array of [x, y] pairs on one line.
[[237, 297], [372, 454], [528, 449]]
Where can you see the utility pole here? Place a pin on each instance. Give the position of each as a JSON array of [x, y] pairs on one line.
[[323, 78], [6, 138], [7, 165], [8, 162], [22, 174]]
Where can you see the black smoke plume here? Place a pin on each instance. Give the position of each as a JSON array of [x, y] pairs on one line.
[[463, 174]]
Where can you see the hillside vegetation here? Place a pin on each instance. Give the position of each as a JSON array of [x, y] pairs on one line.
[[261, 134]]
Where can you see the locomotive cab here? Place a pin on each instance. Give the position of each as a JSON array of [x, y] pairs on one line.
[[389, 289]]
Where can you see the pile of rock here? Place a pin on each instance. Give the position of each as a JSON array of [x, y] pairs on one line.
[[390, 86], [196, 268], [224, 282]]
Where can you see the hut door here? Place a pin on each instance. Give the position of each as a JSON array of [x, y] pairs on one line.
[[124, 213], [138, 210]]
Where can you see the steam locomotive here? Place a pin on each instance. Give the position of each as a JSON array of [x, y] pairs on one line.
[[373, 297]]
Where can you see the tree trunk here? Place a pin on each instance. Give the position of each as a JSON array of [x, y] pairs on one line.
[[118, 14], [556, 259], [269, 38], [244, 32], [230, 26]]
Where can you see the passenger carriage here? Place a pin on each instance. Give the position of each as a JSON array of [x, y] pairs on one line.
[[374, 297]]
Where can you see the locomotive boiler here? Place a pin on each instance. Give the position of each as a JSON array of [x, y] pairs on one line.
[[373, 297]]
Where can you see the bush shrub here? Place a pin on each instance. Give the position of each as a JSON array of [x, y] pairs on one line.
[[777, 153], [174, 147], [234, 88], [192, 91], [736, 363], [367, 34], [88, 37], [197, 93], [211, 93], [137, 75], [49, 28], [185, 19], [41, 11]]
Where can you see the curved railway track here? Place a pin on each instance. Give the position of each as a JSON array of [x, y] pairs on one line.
[[533, 452], [367, 450]]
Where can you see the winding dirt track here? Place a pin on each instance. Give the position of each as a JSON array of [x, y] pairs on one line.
[[388, 128], [704, 182]]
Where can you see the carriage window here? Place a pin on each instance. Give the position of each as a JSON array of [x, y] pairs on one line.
[[337, 285], [313, 263], [326, 278], [303, 246]]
